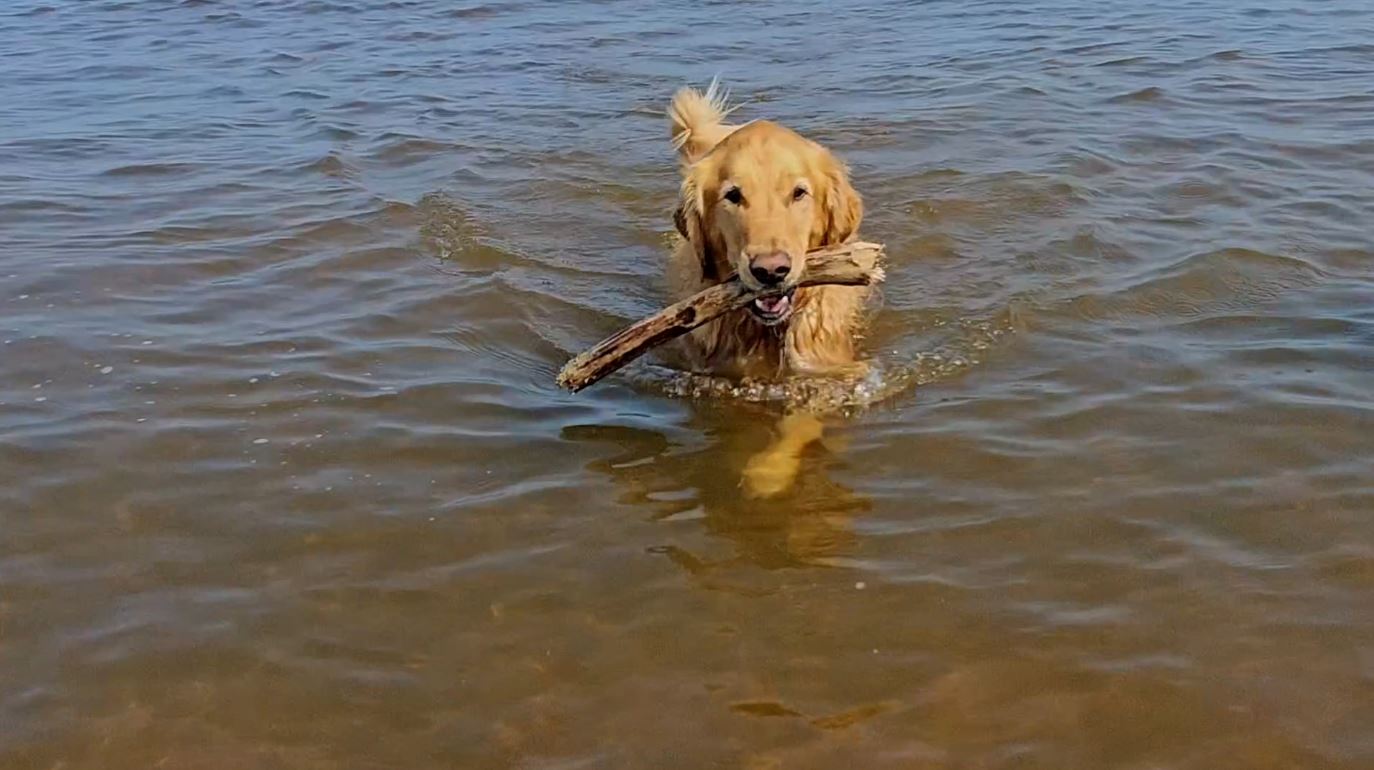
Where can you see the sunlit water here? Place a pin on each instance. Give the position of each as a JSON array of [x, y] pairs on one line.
[[285, 481]]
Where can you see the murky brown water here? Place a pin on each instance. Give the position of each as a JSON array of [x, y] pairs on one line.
[[284, 481]]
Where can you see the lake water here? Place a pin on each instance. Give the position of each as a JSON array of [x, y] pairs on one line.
[[285, 482]]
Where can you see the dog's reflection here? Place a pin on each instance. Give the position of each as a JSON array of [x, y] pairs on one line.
[[760, 482]]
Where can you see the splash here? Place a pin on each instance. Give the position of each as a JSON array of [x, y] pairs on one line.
[[889, 375]]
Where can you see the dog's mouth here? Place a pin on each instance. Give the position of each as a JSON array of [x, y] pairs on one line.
[[773, 309]]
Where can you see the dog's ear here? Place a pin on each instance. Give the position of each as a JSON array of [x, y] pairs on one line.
[[842, 209], [689, 221], [680, 221]]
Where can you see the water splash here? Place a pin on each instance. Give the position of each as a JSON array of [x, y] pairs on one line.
[[889, 375]]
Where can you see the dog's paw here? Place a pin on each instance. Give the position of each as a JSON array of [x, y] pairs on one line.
[[772, 471]]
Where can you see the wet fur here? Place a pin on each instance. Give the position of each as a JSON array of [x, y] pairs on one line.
[[821, 334]]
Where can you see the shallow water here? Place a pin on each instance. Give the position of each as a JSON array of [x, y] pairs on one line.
[[284, 480]]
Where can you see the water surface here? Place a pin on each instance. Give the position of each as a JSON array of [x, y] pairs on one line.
[[284, 480]]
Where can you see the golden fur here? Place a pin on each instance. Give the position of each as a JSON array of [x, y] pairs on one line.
[[762, 189], [794, 195]]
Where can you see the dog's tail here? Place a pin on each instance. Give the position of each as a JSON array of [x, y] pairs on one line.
[[697, 120]]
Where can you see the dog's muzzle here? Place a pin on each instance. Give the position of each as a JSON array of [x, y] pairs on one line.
[[772, 309]]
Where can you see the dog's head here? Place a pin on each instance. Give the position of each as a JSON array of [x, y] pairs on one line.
[[757, 201]]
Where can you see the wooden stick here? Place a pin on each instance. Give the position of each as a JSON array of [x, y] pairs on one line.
[[851, 264]]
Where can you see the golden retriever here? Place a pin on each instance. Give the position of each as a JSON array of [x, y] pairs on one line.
[[754, 199]]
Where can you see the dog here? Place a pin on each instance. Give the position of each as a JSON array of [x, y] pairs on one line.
[[754, 198]]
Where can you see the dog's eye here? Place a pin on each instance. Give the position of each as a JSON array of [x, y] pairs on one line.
[[799, 193], [734, 196]]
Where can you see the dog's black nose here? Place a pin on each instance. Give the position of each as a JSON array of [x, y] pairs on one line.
[[770, 269]]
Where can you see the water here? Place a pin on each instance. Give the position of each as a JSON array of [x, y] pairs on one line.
[[284, 480]]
